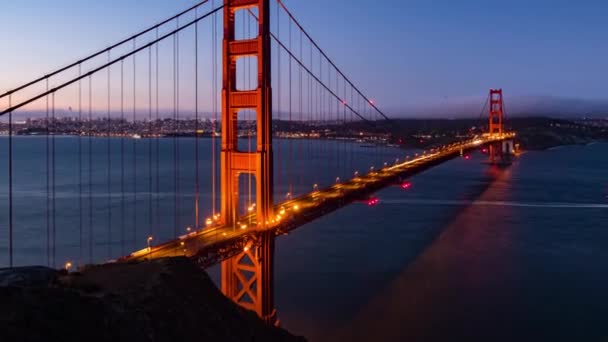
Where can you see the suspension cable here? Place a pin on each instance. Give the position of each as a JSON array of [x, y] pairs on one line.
[[281, 4], [116, 60], [111, 47]]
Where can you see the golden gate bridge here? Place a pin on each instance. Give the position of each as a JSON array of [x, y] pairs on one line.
[[179, 71]]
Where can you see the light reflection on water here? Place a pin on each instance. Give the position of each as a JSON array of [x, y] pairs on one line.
[[468, 253]]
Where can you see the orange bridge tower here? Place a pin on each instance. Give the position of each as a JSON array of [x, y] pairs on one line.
[[501, 152], [247, 278]]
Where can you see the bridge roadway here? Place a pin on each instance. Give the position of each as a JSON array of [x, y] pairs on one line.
[[217, 242]]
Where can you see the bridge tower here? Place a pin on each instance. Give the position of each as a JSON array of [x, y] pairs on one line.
[[247, 278], [496, 111], [501, 152]]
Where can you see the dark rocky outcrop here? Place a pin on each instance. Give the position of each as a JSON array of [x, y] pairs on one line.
[[162, 300]]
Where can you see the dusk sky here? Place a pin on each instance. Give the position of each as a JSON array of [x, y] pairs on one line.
[[403, 53]]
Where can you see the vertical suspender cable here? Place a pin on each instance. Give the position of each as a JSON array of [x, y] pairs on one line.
[[290, 159], [90, 138], [249, 133], [196, 162], [310, 105], [80, 259], [158, 131], [122, 157], [214, 95], [54, 263], [350, 145], [134, 145], [344, 154], [149, 140], [109, 167], [300, 122], [279, 167], [175, 213], [177, 115], [337, 125], [10, 184], [48, 181]]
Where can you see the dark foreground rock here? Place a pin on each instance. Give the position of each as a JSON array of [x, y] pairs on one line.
[[161, 300]]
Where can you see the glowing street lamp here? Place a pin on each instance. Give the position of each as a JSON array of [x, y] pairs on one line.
[[67, 266], [315, 187], [337, 180], [148, 242], [208, 221]]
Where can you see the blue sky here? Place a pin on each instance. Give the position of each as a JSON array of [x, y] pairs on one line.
[[404, 53]]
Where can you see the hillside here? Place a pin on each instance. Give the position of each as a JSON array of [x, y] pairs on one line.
[[161, 300]]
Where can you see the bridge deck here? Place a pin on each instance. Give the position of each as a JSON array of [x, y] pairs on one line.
[[218, 242]]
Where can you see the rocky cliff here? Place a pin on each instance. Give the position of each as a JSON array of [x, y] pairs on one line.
[[161, 300]]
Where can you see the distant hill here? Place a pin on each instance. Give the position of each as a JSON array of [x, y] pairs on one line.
[[550, 106]]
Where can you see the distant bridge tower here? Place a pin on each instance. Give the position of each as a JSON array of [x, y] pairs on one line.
[[502, 152], [247, 278], [496, 111]]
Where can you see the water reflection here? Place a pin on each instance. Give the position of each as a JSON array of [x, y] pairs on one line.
[[435, 290]]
